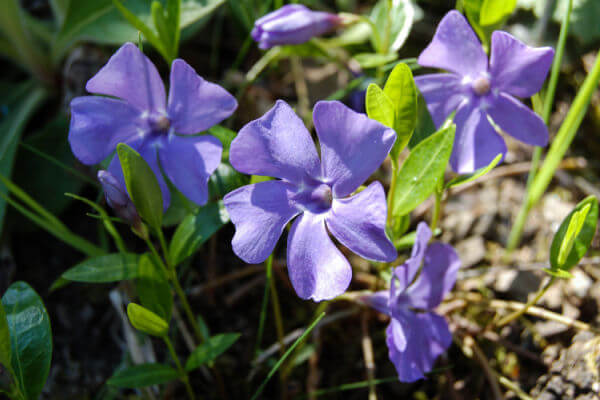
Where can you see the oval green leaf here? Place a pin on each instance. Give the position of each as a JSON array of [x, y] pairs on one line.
[[104, 269], [142, 186], [466, 178], [422, 171], [143, 375], [210, 350], [146, 321], [379, 106], [575, 235], [402, 91], [30, 338]]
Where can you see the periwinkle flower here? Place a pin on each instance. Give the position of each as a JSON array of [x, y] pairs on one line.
[[477, 90], [278, 144], [292, 24], [117, 198], [141, 117], [416, 335]]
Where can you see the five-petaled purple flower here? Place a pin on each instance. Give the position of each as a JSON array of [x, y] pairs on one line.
[[292, 24], [278, 144], [416, 335], [476, 90], [141, 117]]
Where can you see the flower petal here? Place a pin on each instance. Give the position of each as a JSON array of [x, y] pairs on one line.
[[358, 222], [131, 76], [98, 124], [353, 146], [195, 104], [443, 94], [518, 120], [317, 269], [426, 337], [476, 143], [147, 150], [405, 273], [455, 48], [437, 277], [379, 301], [259, 212], [517, 68], [277, 144], [189, 161]]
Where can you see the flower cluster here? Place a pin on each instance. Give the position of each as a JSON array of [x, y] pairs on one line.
[[320, 190]]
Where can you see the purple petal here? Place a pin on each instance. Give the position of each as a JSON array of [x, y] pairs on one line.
[[426, 337], [518, 121], [443, 94], [379, 301], [455, 48], [259, 212], [148, 152], [98, 124], [437, 277], [131, 76], [517, 68], [292, 24], [353, 146], [476, 143], [358, 222], [277, 144], [317, 269], [195, 104], [405, 273], [189, 161]]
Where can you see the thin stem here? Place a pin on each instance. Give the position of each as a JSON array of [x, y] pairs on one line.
[[278, 323], [265, 302], [390, 199], [184, 376], [187, 309], [165, 249], [437, 210], [518, 313]]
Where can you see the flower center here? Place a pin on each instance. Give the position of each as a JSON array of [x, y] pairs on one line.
[[481, 85], [318, 199], [159, 123]]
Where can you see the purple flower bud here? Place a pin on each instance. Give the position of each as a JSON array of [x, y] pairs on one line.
[[117, 197], [292, 24]]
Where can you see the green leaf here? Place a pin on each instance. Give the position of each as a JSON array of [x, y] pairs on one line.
[[574, 236], [143, 375], [374, 60], [5, 351], [495, 12], [466, 178], [422, 171], [30, 338], [103, 269], [425, 126], [224, 180], [559, 273], [146, 321], [226, 136], [153, 288], [402, 91], [400, 14], [210, 350], [379, 106], [196, 229], [142, 186]]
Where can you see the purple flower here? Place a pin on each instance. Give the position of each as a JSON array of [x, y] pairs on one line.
[[278, 144], [416, 335], [476, 90], [141, 117], [292, 24], [117, 198]]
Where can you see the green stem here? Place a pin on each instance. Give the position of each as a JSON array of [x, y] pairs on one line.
[[184, 376], [517, 314], [278, 323], [437, 210], [390, 199], [187, 309], [263, 309]]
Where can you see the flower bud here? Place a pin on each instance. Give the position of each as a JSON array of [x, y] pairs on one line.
[[292, 24], [117, 197]]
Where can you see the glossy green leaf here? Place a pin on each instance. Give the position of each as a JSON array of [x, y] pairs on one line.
[[575, 235], [142, 186], [400, 14], [402, 91], [374, 60], [5, 351], [425, 126], [153, 288], [496, 11], [104, 269], [146, 321], [379, 106], [422, 171], [196, 229], [30, 338], [466, 178], [210, 350], [143, 375]]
